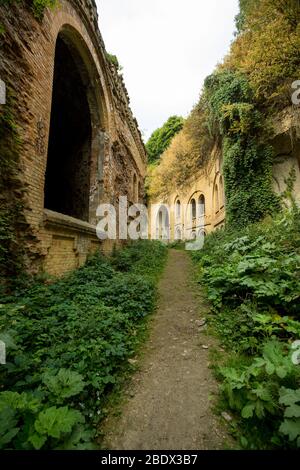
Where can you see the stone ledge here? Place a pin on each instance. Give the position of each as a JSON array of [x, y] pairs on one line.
[[57, 220]]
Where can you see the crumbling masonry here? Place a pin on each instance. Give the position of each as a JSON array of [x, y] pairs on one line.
[[80, 143]]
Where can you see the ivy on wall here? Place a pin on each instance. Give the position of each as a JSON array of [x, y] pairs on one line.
[[11, 199], [13, 227], [248, 158]]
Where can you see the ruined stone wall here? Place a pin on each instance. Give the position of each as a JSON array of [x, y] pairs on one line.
[[59, 242], [204, 184], [209, 181]]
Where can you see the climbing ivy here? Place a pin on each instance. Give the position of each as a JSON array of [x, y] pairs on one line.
[[11, 190], [248, 157]]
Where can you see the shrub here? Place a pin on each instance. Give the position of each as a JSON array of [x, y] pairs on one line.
[[67, 343], [252, 278]]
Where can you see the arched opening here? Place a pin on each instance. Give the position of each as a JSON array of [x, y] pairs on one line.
[[201, 205], [217, 203], [222, 191], [67, 183], [178, 209], [193, 209]]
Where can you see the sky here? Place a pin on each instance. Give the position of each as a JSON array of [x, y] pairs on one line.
[[166, 49]]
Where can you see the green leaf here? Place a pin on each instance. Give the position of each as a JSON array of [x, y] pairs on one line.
[[292, 411], [37, 440], [289, 396], [270, 368], [291, 428], [65, 384], [281, 371], [8, 423], [54, 421], [248, 411], [19, 401]]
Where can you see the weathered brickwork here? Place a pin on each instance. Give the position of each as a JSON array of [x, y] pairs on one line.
[[97, 140], [206, 191], [207, 185]]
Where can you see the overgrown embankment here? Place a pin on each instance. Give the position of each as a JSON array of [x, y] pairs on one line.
[[253, 282], [67, 343]]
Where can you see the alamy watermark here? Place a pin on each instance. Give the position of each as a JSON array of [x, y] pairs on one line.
[[138, 221], [296, 94], [296, 353], [2, 92], [2, 353]]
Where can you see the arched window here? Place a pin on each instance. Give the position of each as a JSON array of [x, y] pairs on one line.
[[178, 209], [217, 202], [163, 224], [201, 205], [178, 234], [193, 209], [222, 191], [68, 172]]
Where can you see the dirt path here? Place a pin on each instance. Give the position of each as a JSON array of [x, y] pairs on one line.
[[170, 396]]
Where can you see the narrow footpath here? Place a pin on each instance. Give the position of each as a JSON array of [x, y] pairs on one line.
[[170, 396]]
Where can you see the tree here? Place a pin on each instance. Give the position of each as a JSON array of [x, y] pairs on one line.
[[162, 137]]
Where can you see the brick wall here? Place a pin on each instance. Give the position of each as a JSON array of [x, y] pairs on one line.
[[27, 58]]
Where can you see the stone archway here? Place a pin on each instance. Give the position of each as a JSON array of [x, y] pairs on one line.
[[75, 147], [67, 181]]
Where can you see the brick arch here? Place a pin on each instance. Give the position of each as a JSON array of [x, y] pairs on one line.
[[195, 196], [77, 20], [72, 170], [218, 196], [88, 71]]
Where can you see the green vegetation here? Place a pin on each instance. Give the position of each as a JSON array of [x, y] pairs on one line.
[[37, 6], [248, 159], [235, 112], [113, 59], [162, 137], [67, 343], [11, 207], [253, 282]]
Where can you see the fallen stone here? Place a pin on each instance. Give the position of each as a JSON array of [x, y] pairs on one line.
[[200, 322], [204, 346]]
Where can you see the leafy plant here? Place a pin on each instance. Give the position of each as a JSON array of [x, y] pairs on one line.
[[67, 344], [291, 425], [252, 280], [64, 384]]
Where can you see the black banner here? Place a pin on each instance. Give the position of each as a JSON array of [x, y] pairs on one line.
[[141, 459]]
